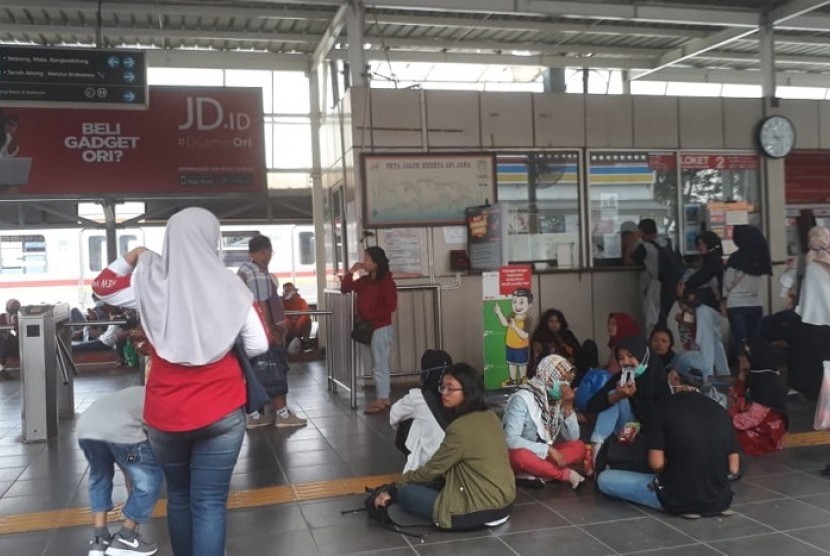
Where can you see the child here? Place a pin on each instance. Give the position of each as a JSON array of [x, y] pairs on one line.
[[759, 400], [111, 432]]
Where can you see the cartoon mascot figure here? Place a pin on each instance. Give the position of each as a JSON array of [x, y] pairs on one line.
[[517, 338]]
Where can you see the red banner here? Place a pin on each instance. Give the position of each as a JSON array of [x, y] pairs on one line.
[[718, 162], [662, 162], [514, 277], [192, 140], [806, 175]]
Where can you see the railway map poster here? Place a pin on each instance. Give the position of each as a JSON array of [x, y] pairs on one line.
[[425, 189], [191, 141]]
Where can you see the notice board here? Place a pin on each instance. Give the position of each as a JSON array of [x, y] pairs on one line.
[[422, 189]]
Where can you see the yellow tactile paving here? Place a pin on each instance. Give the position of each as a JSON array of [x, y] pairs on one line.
[[266, 496]]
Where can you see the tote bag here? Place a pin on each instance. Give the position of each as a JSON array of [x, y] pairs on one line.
[[822, 418]]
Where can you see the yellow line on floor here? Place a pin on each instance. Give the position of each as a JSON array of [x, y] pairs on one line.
[[266, 496], [801, 439]]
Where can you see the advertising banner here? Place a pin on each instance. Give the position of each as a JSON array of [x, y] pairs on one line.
[[719, 162], [484, 237], [507, 306], [191, 141]]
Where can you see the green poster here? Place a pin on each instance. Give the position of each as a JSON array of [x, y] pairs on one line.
[[507, 328]]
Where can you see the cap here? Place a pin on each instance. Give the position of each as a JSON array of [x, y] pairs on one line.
[[692, 367]]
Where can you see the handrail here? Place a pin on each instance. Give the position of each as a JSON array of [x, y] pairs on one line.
[[311, 313], [95, 323], [8, 327]]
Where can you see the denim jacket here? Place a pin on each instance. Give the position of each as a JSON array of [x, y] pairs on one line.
[[522, 432]]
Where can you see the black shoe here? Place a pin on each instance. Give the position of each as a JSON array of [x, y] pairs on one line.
[[826, 471], [534, 483]]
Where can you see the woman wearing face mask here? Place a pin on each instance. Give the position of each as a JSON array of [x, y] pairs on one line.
[[620, 325], [621, 401], [536, 415], [479, 488], [662, 345], [703, 289]]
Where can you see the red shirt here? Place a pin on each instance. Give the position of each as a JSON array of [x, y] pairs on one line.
[[180, 398], [376, 300]]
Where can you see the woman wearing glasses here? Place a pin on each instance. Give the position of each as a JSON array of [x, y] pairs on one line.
[[479, 487]]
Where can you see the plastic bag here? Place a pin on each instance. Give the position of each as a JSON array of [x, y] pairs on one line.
[[130, 354], [822, 419]]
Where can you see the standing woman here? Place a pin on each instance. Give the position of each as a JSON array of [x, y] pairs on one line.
[[703, 290], [742, 283], [192, 312], [376, 300], [812, 341]]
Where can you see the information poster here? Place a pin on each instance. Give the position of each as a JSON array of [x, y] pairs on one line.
[[722, 219], [484, 237], [507, 304], [403, 248]]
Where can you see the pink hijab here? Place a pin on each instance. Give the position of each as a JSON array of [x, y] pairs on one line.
[[819, 241]]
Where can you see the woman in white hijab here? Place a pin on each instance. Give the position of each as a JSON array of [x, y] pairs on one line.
[[192, 311], [812, 342], [536, 415]]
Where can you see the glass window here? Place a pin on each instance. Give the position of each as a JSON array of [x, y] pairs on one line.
[[539, 196], [306, 247], [719, 190], [235, 247], [264, 79], [292, 143], [22, 254], [126, 243], [185, 76], [97, 253], [289, 180], [626, 187], [291, 93]]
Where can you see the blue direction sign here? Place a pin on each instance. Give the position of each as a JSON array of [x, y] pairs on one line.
[[77, 76]]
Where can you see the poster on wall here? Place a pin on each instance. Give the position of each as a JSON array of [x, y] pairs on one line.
[[425, 189], [191, 141], [484, 237], [507, 304], [404, 249], [722, 219]]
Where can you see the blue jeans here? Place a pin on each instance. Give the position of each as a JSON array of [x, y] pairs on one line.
[[381, 349], [198, 466], [611, 420], [418, 500], [710, 341], [630, 486], [744, 322], [137, 463]]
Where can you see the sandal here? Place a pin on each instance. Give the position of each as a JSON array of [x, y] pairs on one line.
[[376, 407]]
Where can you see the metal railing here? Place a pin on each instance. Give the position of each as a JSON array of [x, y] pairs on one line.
[[340, 352]]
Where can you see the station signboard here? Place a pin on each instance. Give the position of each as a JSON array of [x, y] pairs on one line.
[[80, 77], [191, 141]]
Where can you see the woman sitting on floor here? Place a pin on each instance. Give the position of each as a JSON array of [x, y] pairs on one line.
[[621, 402], [758, 401], [535, 416], [479, 487], [661, 342], [552, 336], [620, 325]]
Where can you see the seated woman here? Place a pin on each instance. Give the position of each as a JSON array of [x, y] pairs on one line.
[[620, 325], [535, 416], [758, 400], [479, 487], [419, 417], [661, 342], [552, 336], [619, 402]]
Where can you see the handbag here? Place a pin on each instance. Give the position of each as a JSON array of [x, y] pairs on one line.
[[362, 331], [256, 396], [821, 422]]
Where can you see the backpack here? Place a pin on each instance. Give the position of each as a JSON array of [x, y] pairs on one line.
[[591, 383], [670, 267]]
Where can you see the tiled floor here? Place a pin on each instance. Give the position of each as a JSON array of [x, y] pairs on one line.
[[782, 503]]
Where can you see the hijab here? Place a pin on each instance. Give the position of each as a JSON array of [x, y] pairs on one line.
[[752, 256], [652, 384], [814, 299], [550, 370], [192, 308], [626, 326], [667, 358], [819, 243], [766, 387]]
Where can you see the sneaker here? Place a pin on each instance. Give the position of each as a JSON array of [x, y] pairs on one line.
[[263, 420], [119, 546], [290, 421], [98, 546]]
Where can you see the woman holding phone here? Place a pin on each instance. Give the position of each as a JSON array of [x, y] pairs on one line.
[[629, 394], [536, 415]]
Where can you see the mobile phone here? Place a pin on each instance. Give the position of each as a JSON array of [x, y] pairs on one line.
[[626, 376]]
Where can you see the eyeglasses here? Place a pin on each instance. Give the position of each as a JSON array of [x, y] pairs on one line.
[[448, 389]]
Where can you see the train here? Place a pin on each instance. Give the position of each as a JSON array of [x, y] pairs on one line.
[[58, 265]]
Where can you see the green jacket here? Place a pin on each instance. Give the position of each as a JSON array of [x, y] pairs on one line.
[[473, 461]]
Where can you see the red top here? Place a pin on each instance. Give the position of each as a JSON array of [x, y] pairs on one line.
[[180, 398], [376, 301], [296, 303]]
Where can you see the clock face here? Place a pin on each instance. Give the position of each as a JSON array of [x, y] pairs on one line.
[[777, 136]]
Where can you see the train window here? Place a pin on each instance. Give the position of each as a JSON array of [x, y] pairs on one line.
[[539, 195], [24, 254], [97, 253], [306, 247], [626, 187], [235, 247], [126, 243]]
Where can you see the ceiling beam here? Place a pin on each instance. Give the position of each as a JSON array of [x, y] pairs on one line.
[[217, 59], [738, 77], [330, 35], [535, 47], [753, 57], [794, 9], [501, 59]]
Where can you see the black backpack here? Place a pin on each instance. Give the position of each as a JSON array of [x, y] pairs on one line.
[[670, 267]]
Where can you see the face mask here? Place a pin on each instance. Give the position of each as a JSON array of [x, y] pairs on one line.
[[289, 295], [555, 391]]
